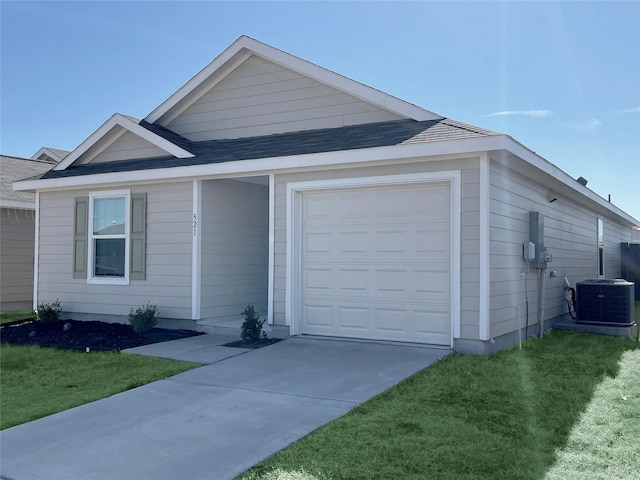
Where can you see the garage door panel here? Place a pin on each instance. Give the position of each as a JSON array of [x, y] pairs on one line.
[[435, 280], [390, 320], [412, 324], [352, 280], [436, 239], [376, 263], [318, 317], [316, 207], [351, 242], [392, 281], [432, 321], [317, 243], [378, 281], [318, 279], [390, 241], [354, 318]]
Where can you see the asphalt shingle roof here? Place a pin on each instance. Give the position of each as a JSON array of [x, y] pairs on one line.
[[16, 168], [399, 132]]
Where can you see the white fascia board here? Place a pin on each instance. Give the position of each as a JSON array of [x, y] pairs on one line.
[[128, 124], [265, 166], [20, 204], [356, 89], [516, 148]]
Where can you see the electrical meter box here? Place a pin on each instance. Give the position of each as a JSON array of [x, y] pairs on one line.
[[536, 236]]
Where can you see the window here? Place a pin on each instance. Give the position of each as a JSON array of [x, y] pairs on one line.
[[109, 242], [108, 237], [600, 247]]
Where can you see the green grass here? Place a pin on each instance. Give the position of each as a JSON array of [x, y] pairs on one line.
[[604, 443], [37, 382], [564, 407], [7, 317]]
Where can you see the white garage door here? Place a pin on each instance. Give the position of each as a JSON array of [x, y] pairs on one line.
[[376, 263]]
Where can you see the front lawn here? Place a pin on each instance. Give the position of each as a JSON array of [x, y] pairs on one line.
[[37, 382], [16, 315], [564, 407]]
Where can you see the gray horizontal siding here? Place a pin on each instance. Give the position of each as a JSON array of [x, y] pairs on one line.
[[263, 98], [17, 238], [469, 226], [168, 282], [235, 234], [570, 235], [614, 235], [129, 146]]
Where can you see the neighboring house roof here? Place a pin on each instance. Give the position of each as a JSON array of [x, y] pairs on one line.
[[400, 132], [13, 169], [50, 154]]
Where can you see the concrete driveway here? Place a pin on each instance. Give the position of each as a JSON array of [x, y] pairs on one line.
[[212, 422]]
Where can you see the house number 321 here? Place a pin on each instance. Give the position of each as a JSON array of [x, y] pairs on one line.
[[195, 224]]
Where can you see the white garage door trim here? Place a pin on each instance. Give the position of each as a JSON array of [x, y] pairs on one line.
[[294, 223]]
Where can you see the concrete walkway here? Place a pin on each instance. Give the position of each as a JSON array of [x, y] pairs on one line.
[[212, 422]]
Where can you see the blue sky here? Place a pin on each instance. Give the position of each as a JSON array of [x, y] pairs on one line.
[[562, 78]]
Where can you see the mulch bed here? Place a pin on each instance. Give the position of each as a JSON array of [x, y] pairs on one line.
[[80, 335]]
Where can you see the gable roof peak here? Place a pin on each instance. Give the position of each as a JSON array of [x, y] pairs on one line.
[[245, 46], [122, 123], [54, 155]]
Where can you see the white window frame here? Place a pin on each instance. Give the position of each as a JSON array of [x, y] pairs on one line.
[[91, 278]]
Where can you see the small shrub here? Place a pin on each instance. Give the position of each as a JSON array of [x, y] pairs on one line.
[[252, 326], [144, 318], [49, 312]]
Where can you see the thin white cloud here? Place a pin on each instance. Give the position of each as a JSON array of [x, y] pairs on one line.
[[631, 110], [525, 113], [589, 124]]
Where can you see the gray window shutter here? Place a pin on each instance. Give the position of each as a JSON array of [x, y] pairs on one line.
[[80, 237], [138, 234]]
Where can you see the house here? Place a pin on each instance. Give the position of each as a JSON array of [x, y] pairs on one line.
[[49, 154], [17, 231], [334, 208]]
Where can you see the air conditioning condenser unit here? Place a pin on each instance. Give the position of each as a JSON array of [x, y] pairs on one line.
[[606, 302]]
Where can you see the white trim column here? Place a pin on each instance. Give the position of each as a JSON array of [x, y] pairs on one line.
[[484, 293], [456, 212], [196, 251], [272, 239], [36, 252]]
